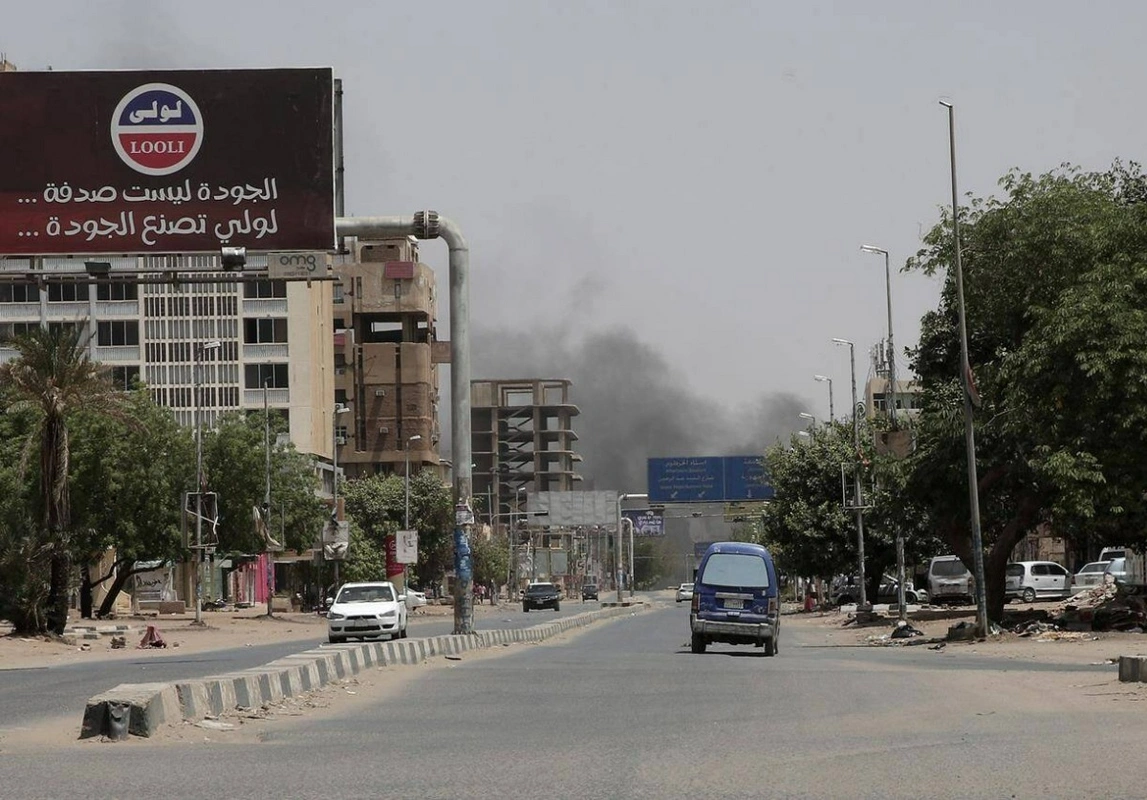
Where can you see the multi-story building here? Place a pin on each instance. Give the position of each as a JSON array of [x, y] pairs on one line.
[[270, 334], [876, 390], [386, 359], [523, 440]]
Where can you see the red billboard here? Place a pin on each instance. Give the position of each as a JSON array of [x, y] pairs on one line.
[[166, 162]]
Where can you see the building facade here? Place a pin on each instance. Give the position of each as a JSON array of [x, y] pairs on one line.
[[386, 357]]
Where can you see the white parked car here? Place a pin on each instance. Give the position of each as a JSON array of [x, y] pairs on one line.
[[1090, 575], [415, 598], [684, 592], [366, 610], [1032, 580]]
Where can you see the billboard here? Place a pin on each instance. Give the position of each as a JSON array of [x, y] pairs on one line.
[[572, 509], [166, 161], [708, 479], [646, 521]]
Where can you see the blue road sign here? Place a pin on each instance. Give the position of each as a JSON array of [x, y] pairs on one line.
[[708, 479], [646, 521]]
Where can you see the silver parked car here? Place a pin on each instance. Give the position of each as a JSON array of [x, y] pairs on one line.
[[684, 592], [1037, 580], [1090, 575]]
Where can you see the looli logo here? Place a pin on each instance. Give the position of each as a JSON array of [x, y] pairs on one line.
[[157, 129]]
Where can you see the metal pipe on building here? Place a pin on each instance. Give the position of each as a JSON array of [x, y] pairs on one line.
[[429, 225]]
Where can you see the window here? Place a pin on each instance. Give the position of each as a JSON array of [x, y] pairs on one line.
[[265, 289], [118, 333], [125, 377], [117, 291], [337, 292], [67, 292], [10, 330], [264, 331], [340, 397], [735, 569], [19, 293], [1040, 569], [273, 375]]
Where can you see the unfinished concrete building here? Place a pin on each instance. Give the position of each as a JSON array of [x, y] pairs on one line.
[[386, 360], [523, 440]]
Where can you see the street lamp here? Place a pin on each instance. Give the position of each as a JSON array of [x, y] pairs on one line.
[[890, 400], [511, 534], [826, 379], [965, 375], [338, 410], [199, 354], [856, 476], [808, 416], [617, 551], [406, 490]]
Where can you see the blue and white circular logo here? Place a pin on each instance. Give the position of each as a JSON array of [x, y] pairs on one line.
[[157, 129]]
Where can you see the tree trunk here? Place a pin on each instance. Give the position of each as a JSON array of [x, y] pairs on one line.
[[122, 573], [85, 592], [57, 610]]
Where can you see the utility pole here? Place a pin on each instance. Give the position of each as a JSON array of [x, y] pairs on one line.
[[859, 498], [266, 510], [198, 398]]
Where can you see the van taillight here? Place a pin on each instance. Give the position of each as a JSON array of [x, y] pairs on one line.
[[772, 605], [696, 604]]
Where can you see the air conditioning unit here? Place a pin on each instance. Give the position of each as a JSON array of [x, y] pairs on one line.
[[384, 430], [340, 440], [380, 392]]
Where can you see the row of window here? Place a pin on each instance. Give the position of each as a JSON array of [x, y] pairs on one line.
[[209, 396], [78, 293]]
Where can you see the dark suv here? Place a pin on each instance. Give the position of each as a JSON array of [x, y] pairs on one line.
[[541, 595], [589, 591]]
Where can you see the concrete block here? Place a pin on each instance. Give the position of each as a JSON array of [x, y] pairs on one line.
[[151, 705], [193, 699], [1133, 669]]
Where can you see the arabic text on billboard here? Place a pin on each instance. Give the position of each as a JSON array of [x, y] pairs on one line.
[[166, 161], [708, 479], [646, 521]]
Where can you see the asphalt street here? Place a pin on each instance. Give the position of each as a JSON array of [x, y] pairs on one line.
[[33, 694], [624, 710]]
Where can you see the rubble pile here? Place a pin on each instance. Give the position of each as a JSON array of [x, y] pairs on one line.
[[1107, 607]]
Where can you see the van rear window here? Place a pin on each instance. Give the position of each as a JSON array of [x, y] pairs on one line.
[[735, 569], [949, 568]]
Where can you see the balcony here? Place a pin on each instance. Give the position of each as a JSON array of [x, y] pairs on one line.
[[29, 312], [264, 306], [265, 352], [253, 398], [118, 354]]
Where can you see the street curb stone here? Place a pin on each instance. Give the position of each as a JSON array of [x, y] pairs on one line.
[[146, 707]]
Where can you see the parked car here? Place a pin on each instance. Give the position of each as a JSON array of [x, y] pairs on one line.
[[949, 581], [1037, 580], [846, 592], [541, 595], [366, 610], [735, 598], [684, 592], [1111, 553], [415, 598], [1117, 569], [1090, 575], [589, 591]]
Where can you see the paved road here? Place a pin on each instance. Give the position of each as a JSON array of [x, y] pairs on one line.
[[29, 695], [624, 710]]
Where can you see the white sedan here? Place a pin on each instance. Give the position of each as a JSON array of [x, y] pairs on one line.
[[684, 592], [366, 610], [415, 598], [1089, 575]]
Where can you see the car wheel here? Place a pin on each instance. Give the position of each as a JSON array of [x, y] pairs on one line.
[[910, 597], [557, 606], [336, 639], [770, 648], [1029, 594], [697, 643], [525, 609]]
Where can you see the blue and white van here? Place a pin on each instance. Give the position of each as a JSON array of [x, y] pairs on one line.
[[736, 598]]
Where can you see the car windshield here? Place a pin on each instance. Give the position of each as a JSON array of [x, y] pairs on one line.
[[1116, 565], [1015, 570], [735, 569], [365, 594], [686, 586], [540, 588], [1096, 566], [952, 568]]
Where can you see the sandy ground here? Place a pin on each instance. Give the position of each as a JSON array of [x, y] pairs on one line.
[[221, 630]]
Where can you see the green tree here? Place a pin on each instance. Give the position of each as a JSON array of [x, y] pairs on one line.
[[23, 551], [491, 559], [1055, 278], [53, 376], [365, 560], [128, 474]]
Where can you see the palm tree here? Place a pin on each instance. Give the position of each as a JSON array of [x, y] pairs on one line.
[[53, 376]]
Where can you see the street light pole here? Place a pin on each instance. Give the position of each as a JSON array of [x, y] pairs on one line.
[[267, 497], [406, 491], [965, 376], [198, 398], [856, 478], [831, 410], [890, 401], [618, 560], [339, 409]]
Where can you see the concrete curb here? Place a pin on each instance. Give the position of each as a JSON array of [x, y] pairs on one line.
[[1133, 669], [140, 709]]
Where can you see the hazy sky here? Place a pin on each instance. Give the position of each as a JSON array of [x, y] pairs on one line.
[[701, 174]]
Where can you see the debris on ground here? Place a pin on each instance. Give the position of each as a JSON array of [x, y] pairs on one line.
[[939, 646], [1107, 607], [152, 638], [962, 631], [905, 631], [119, 642]]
